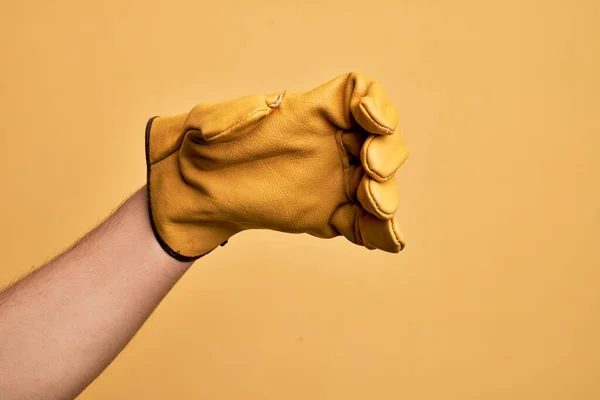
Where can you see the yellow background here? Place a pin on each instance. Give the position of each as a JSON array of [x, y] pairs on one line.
[[497, 294]]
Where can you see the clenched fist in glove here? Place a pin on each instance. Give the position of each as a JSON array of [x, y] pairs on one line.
[[320, 162]]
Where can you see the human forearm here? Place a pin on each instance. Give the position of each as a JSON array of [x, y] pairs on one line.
[[64, 323]]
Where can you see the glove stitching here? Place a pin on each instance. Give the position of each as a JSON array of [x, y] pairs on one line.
[[357, 234], [375, 203], [385, 128], [398, 242], [232, 126], [342, 152], [348, 100]]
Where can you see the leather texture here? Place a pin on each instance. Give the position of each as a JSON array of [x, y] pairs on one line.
[[321, 162]]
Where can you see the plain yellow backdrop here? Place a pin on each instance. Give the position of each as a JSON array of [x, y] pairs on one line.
[[497, 294]]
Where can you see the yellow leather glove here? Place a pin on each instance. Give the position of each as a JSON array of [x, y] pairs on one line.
[[320, 162]]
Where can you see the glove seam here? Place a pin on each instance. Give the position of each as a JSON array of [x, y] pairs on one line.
[[348, 101], [232, 126], [345, 169], [375, 203], [393, 229], [357, 227], [368, 114]]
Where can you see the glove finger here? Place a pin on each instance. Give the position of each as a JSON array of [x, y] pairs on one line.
[[374, 110], [380, 234], [364, 229], [381, 156], [378, 198]]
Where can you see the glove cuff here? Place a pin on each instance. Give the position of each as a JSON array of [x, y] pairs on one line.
[[161, 140]]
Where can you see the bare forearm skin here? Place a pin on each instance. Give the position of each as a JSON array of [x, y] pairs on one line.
[[63, 324]]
